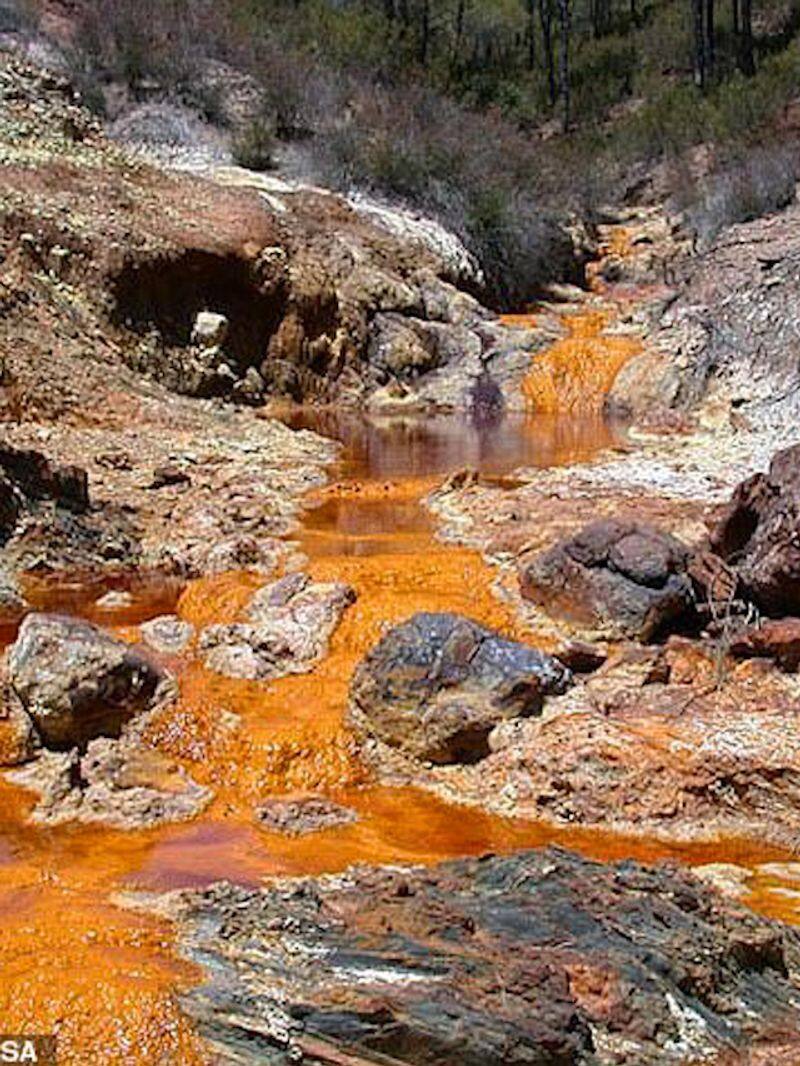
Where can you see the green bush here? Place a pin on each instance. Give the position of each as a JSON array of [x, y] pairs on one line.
[[254, 146]]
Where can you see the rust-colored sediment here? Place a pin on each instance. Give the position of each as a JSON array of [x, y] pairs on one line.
[[106, 979], [575, 374]]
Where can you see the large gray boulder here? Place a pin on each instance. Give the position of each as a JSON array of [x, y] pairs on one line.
[[436, 686], [624, 578], [76, 681]]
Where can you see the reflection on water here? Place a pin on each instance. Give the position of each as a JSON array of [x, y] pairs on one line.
[[438, 444], [389, 464]]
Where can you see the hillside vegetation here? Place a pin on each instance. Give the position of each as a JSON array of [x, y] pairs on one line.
[[498, 116]]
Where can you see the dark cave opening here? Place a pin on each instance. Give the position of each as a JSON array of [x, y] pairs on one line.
[[167, 294]]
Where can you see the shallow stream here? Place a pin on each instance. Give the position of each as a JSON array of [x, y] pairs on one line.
[[105, 977]]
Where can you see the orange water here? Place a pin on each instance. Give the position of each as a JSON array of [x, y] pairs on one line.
[[106, 979]]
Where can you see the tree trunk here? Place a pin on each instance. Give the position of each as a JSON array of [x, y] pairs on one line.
[[710, 44], [425, 33], [546, 19], [698, 24], [531, 34], [747, 62], [565, 27], [735, 19]]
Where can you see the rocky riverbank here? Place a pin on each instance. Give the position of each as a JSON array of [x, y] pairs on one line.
[[548, 651], [541, 958]]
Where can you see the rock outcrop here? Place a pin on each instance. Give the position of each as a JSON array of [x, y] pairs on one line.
[[759, 535], [113, 783], [240, 287], [672, 741], [291, 622], [436, 686], [727, 334], [77, 682], [626, 579], [538, 958]]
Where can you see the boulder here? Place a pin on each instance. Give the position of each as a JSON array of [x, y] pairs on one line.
[[627, 579], [541, 958], [759, 535], [77, 682], [114, 783], [290, 624], [436, 686]]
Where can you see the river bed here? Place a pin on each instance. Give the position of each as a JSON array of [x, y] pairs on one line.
[[105, 978]]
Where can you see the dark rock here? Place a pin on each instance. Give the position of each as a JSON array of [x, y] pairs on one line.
[[537, 959], [759, 535], [169, 476], [11, 503], [77, 682], [437, 685], [36, 477], [580, 657], [628, 579], [308, 814]]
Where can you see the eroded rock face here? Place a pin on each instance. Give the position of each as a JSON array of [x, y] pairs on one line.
[[437, 685], [537, 959], [759, 535], [77, 682], [291, 622], [627, 579]]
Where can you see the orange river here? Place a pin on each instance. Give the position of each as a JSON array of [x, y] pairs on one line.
[[107, 980]]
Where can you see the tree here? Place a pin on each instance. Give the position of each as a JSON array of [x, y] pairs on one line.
[[546, 19], [564, 21], [699, 33], [747, 63], [531, 34]]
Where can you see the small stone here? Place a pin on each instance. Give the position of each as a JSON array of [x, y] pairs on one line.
[[210, 329], [115, 600], [308, 814], [167, 634], [169, 476]]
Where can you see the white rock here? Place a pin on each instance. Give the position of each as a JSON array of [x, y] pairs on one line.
[[210, 329]]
